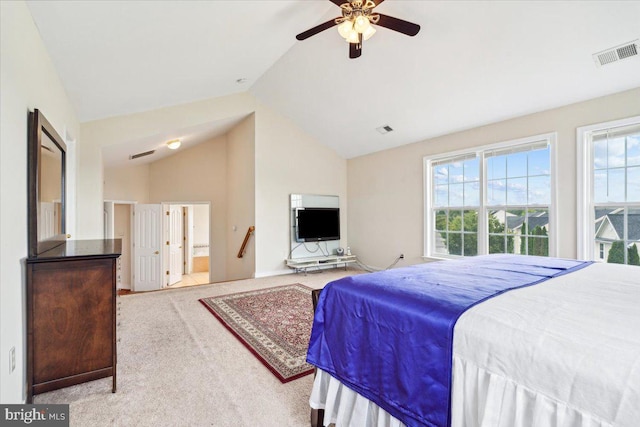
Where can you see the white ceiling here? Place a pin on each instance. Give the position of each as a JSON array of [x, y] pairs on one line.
[[472, 63]]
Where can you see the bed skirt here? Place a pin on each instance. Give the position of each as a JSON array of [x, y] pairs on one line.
[[346, 408], [480, 399]]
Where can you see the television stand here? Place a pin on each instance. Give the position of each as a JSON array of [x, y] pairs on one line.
[[304, 264]]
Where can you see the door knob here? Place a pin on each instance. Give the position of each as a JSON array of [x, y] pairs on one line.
[[156, 252]]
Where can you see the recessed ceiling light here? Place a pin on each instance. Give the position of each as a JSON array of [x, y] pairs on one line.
[[174, 144]]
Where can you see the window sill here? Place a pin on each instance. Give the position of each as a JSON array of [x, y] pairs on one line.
[[431, 258]]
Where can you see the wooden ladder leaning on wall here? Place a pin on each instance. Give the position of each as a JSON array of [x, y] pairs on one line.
[[243, 248]]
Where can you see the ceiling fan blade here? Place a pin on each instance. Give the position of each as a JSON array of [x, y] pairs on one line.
[[315, 30], [339, 2], [398, 25], [377, 2], [355, 49]]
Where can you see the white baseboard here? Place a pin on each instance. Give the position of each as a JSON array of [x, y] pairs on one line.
[[260, 274]]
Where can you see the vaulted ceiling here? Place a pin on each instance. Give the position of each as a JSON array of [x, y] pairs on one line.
[[473, 62]]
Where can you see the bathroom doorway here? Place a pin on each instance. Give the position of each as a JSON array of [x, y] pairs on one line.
[[188, 234], [183, 239]]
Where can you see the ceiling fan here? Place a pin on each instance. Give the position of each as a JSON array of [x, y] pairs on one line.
[[355, 24]]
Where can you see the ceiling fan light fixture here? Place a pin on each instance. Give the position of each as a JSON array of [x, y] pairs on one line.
[[368, 32], [361, 24], [174, 144], [353, 37], [345, 28], [356, 24]]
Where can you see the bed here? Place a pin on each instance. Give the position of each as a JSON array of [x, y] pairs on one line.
[[557, 343]]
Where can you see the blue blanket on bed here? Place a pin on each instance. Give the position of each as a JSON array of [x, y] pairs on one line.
[[389, 335]]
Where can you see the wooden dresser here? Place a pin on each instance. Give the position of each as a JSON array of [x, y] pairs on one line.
[[71, 315]]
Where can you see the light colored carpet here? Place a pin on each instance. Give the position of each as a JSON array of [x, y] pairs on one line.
[[179, 366]]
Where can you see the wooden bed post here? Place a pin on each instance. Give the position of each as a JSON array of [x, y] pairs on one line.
[[317, 415]]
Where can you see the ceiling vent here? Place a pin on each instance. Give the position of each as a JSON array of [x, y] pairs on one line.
[[384, 129], [137, 156], [618, 53]]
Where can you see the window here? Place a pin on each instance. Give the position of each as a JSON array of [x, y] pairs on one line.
[[609, 192], [495, 199], [456, 201]]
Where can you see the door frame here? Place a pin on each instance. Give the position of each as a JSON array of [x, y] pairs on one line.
[[188, 242], [110, 228]]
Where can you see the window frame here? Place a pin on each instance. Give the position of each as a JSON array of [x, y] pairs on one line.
[[585, 233], [481, 152]]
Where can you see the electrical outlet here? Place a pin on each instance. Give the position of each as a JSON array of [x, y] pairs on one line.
[[12, 359]]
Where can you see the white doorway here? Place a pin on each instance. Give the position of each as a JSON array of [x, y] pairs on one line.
[[188, 241], [163, 245], [118, 224], [122, 214]]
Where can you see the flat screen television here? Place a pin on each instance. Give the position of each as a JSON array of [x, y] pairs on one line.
[[317, 224]]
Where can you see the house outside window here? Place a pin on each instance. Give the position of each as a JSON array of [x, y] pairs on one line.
[[493, 199], [609, 192]]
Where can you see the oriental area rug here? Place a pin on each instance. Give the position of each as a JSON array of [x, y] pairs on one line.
[[274, 324]]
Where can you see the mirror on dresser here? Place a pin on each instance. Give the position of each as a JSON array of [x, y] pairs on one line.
[[71, 284], [46, 167]]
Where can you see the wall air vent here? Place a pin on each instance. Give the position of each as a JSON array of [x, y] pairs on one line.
[[615, 54], [137, 156], [384, 129]]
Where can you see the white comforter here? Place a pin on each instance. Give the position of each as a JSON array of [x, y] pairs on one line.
[[562, 353]]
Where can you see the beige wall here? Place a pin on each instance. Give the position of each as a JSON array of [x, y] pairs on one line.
[[98, 134], [289, 161], [267, 168], [28, 80], [219, 171], [241, 198], [198, 174], [127, 183], [386, 188]]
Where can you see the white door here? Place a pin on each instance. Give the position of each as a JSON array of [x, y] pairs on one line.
[[147, 243], [176, 237]]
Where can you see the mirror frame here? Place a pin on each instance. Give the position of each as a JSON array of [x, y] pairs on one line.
[[39, 125]]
